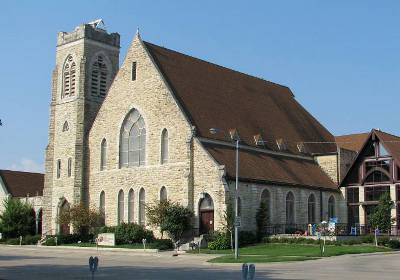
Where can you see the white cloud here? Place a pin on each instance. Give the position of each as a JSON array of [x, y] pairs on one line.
[[27, 164]]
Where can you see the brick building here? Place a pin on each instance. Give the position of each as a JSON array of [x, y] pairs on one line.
[[123, 137]]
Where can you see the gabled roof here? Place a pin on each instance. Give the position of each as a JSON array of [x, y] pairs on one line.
[[276, 170], [213, 96], [21, 184], [390, 142], [353, 142]]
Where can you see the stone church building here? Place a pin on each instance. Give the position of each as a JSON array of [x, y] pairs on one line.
[[121, 137]]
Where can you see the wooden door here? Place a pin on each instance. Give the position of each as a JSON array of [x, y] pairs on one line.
[[206, 221]]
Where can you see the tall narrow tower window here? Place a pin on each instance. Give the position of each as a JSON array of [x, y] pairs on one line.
[[99, 77], [164, 146], [69, 167], [133, 71], [69, 78], [103, 155], [58, 168]]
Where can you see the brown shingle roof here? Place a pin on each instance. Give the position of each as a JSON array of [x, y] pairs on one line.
[[20, 184], [256, 166], [215, 96], [391, 143], [353, 142]]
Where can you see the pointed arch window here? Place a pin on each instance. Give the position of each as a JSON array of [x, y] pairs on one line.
[[131, 206], [331, 207], [142, 207], [164, 146], [69, 77], [133, 140], [266, 199], [102, 206], [311, 209], [65, 126], [69, 169], [103, 155], [99, 77], [120, 207], [290, 208], [163, 194]]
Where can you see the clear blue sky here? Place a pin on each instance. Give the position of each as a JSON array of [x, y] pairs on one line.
[[340, 58]]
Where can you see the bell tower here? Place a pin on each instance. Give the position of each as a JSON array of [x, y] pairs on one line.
[[87, 60]]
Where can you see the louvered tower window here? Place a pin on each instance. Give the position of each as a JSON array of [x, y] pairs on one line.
[[69, 78], [99, 77]]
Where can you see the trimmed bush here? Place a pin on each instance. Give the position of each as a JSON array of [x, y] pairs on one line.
[[132, 233], [247, 238], [221, 241], [50, 242], [162, 244], [31, 239], [368, 239], [394, 244], [12, 241], [383, 240]]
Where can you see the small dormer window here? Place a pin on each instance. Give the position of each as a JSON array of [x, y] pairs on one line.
[[234, 134], [301, 147], [258, 140], [281, 144]]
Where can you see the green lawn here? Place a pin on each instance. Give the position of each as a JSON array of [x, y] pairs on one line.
[[289, 252]]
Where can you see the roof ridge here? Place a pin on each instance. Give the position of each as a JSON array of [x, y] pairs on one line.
[[220, 66], [352, 134], [19, 171], [390, 134]]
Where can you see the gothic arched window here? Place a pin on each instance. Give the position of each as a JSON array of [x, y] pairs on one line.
[[131, 206], [103, 155], [142, 207], [69, 77], [65, 126], [290, 208], [133, 140], [311, 209], [102, 205], [163, 194], [331, 207], [266, 199], [99, 77], [164, 146], [120, 207]]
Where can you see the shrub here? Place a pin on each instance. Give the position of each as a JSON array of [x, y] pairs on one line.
[[261, 219], [132, 233], [31, 239], [12, 241], [51, 241], [83, 219], [74, 238], [368, 239], [383, 240], [221, 242], [394, 244], [247, 238], [162, 244], [351, 242]]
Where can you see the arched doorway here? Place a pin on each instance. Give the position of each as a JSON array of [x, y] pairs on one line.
[[64, 207], [206, 214]]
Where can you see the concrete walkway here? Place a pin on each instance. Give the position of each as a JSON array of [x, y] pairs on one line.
[[67, 263]]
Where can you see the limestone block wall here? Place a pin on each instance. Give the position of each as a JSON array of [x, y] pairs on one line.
[[329, 164], [250, 195]]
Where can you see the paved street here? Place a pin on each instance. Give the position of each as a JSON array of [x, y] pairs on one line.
[[45, 263]]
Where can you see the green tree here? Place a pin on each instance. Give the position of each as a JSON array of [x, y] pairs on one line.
[[17, 219], [83, 219], [229, 221], [171, 218], [381, 218], [156, 214], [261, 219]]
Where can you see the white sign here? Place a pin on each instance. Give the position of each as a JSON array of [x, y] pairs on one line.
[[106, 239], [238, 221]]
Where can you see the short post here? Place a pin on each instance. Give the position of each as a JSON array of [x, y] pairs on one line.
[[376, 236], [198, 245], [144, 243], [248, 271], [20, 240], [93, 264], [55, 238]]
